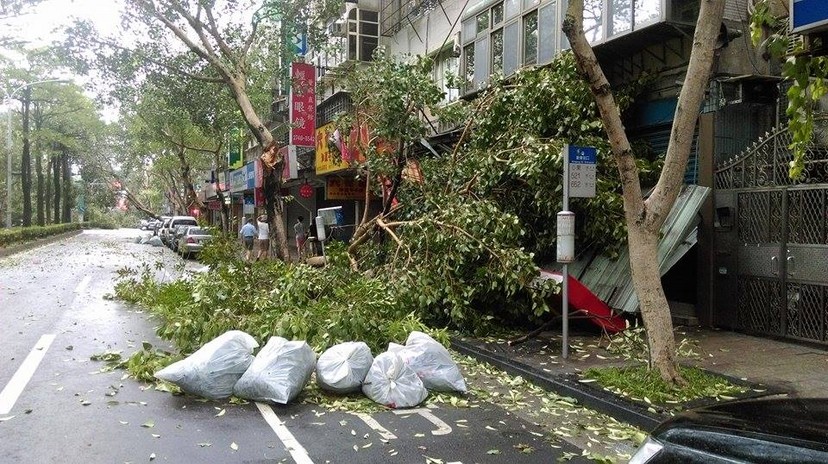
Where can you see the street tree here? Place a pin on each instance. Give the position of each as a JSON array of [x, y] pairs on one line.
[[645, 216], [235, 44]]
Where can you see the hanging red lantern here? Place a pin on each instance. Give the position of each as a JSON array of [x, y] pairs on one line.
[[306, 191]]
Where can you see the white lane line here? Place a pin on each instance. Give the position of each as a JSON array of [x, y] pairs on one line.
[[371, 422], [297, 451], [83, 284], [442, 427], [24, 373]]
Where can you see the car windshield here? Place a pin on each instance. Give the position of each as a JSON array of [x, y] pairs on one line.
[[196, 231], [186, 222]]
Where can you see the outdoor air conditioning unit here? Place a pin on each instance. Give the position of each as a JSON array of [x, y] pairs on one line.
[[337, 29], [749, 91]]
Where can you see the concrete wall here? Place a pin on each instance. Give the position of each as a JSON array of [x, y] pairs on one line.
[[429, 31]]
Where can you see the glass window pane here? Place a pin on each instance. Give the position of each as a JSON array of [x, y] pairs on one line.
[[352, 27], [352, 47], [548, 30], [647, 11], [482, 21], [511, 43], [468, 65], [371, 29], [527, 4], [512, 8], [367, 47], [497, 14], [562, 40], [481, 65], [530, 38], [469, 30], [497, 52], [621, 17], [369, 16], [593, 20]]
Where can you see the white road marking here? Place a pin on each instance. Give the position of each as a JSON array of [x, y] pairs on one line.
[[371, 422], [296, 450], [442, 427], [24, 373], [82, 285]]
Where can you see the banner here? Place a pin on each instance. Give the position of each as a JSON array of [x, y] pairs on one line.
[[302, 104], [337, 188], [235, 154], [325, 161], [290, 168]]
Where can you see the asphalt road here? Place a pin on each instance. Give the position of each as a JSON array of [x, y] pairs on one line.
[[56, 406]]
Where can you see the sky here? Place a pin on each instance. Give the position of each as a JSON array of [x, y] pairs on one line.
[[42, 25]]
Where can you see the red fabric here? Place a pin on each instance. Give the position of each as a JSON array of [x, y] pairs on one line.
[[598, 312]]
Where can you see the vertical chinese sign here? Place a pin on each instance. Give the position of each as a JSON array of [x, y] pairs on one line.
[[302, 105]]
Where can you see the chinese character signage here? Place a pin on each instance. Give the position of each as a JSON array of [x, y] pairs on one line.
[[582, 161], [325, 161], [290, 169], [337, 188], [302, 104]]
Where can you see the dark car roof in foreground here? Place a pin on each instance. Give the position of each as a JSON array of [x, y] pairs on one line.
[[797, 419]]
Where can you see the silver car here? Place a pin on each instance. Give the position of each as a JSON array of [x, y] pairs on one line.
[[192, 241]]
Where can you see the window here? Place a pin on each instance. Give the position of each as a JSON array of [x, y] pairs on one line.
[[594, 20], [483, 22], [530, 38], [646, 11], [621, 16], [511, 48], [468, 67], [497, 52], [481, 65], [446, 71], [469, 30], [497, 14], [548, 31], [511, 8], [363, 34]]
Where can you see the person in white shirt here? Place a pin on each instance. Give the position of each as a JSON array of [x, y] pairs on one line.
[[301, 236], [264, 237]]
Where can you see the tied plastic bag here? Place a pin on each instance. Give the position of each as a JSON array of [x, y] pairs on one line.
[[392, 383], [343, 367], [279, 373], [214, 369], [155, 241], [431, 361]]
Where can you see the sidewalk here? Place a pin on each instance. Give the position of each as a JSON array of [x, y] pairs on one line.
[[768, 366]]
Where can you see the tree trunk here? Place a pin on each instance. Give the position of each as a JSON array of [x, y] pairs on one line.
[[221, 166], [26, 161], [645, 218], [67, 188], [56, 163], [189, 188], [47, 206]]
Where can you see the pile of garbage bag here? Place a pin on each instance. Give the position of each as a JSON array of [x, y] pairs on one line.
[[398, 378]]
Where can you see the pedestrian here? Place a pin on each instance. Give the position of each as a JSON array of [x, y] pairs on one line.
[[264, 237], [301, 236], [248, 232]]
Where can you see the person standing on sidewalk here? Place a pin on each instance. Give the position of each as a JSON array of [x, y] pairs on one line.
[[264, 237], [248, 232], [301, 236]]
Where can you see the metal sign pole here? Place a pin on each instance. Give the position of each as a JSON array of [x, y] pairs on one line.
[[565, 269]]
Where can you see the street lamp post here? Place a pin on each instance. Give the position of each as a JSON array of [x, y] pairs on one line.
[[7, 100]]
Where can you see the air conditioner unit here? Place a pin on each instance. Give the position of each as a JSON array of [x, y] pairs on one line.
[[457, 47], [750, 91], [337, 29]]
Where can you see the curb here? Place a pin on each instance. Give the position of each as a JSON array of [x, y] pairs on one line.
[[25, 246], [588, 397]]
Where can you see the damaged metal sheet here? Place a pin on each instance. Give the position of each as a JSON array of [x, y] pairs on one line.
[[611, 280]]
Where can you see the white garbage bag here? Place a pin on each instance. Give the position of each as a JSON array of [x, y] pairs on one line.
[[392, 383], [432, 362], [214, 369], [279, 372], [342, 368]]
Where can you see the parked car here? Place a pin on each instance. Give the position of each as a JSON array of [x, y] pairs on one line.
[[176, 234], [192, 241], [142, 224], [166, 232], [157, 224], [789, 430]]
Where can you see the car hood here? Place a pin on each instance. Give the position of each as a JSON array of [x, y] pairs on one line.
[[800, 419]]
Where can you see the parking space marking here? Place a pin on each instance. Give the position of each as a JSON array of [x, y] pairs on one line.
[[24, 373], [442, 427], [371, 422], [296, 450], [83, 284]]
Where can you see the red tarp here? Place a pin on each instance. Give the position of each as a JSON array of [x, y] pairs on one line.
[[582, 298]]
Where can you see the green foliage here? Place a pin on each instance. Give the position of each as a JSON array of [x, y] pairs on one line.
[[322, 306], [25, 234], [645, 385], [806, 73]]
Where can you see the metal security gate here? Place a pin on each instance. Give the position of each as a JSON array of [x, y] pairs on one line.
[[771, 243]]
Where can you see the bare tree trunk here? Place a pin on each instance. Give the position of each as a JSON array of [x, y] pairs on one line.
[[41, 217], [56, 163], [67, 188], [645, 218], [47, 206], [26, 161]]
